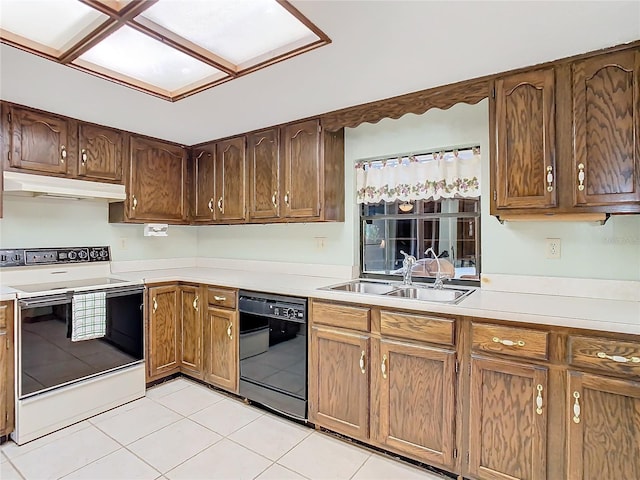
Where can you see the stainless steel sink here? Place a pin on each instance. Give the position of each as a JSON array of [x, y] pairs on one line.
[[415, 292], [444, 295]]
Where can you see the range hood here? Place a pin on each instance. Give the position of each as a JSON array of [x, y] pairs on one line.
[[16, 183]]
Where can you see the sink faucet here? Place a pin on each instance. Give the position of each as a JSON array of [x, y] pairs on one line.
[[438, 283], [407, 265]]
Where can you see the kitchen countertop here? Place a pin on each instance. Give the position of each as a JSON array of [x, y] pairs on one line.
[[621, 316]]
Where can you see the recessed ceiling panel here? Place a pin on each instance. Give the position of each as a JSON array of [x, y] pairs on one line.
[[139, 56], [52, 24], [237, 30]]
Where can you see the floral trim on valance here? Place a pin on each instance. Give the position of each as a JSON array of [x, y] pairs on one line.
[[420, 177]]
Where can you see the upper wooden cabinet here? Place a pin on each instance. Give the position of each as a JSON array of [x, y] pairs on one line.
[[566, 137], [230, 204], [525, 138], [263, 156], [155, 184], [203, 184], [606, 119], [40, 142], [100, 152]]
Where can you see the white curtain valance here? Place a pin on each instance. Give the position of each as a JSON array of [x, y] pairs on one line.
[[420, 177]]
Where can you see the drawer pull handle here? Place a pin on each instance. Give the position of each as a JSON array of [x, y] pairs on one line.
[[539, 400], [581, 177], [618, 358], [229, 331], [155, 305], [549, 178], [383, 366], [274, 200], [63, 153], [210, 204], [576, 408], [218, 298], [195, 303], [362, 362], [220, 204], [509, 343], [134, 203], [286, 199], [84, 156]]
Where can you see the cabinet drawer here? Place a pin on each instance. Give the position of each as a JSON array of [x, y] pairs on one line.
[[605, 354], [423, 328], [222, 297], [356, 318], [519, 342]]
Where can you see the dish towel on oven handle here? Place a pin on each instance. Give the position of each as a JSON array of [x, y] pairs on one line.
[[89, 317]]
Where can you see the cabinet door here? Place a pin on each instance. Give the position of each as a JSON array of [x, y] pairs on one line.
[[190, 331], [525, 165], [230, 180], [264, 174], [302, 169], [508, 420], [221, 345], [157, 184], [6, 368], [606, 116], [603, 416], [40, 142], [417, 400], [162, 331], [101, 152], [203, 201], [339, 381]]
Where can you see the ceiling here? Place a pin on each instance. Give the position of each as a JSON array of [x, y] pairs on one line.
[[379, 49]]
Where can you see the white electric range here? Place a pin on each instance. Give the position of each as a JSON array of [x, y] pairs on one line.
[[79, 337]]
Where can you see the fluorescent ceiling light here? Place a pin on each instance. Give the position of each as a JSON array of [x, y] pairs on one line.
[[169, 48]]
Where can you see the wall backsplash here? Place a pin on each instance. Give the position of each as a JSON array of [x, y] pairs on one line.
[[611, 251]]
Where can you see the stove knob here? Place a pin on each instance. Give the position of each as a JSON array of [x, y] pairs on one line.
[[103, 253], [291, 313], [72, 255], [82, 254], [93, 254]]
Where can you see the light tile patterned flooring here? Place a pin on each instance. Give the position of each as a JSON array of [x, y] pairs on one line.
[[182, 431]]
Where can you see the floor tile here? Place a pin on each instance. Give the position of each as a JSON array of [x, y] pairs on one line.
[[120, 464], [380, 468], [172, 445], [13, 450], [141, 402], [270, 436], [7, 472], [321, 457], [168, 387], [189, 400], [224, 460], [133, 424], [227, 416], [66, 454], [278, 472]]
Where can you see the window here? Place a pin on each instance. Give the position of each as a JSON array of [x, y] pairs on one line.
[[435, 205]]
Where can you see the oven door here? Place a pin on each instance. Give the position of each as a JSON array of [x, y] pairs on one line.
[[49, 359]]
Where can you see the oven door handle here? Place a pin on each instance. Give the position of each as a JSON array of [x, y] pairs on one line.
[[45, 301]]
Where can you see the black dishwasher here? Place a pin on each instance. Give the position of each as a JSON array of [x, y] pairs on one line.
[[273, 351]]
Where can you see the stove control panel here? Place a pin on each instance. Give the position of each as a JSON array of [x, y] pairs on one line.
[[20, 257]]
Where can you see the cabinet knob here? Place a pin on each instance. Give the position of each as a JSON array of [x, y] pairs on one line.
[[581, 176], [83, 156], [210, 204], [134, 202], [539, 400], [63, 153], [383, 366], [362, 369], [220, 204], [549, 178], [195, 303], [229, 331], [155, 305], [286, 198], [576, 407], [274, 200]]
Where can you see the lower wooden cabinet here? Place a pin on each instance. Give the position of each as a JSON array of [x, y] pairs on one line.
[[339, 381], [603, 427], [415, 408], [162, 332], [221, 348], [191, 330], [6, 368], [507, 420]]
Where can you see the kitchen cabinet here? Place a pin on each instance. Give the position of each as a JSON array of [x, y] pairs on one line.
[[6, 368], [100, 152], [263, 156], [221, 332], [156, 184], [191, 330], [230, 190], [39, 142], [565, 137], [162, 332], [203, 184]]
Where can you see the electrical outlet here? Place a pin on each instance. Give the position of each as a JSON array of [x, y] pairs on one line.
[[123, 243], [553, 248], [321, 242]]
